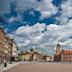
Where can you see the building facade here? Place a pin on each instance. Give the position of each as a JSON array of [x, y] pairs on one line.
[[62, 55], [3, 46], [57, 56], [14, 51], [6, 47], [34, 56], [66, 56]]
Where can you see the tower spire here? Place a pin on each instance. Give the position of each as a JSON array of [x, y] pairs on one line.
[[58, 41], [58, 44], [58, 48]]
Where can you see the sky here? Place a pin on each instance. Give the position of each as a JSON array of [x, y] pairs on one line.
[[38, 24]]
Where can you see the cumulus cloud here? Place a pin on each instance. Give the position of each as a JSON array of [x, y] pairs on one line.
[[45, 7], [44, 37], [66, 11], [67, 8], [13, 19]]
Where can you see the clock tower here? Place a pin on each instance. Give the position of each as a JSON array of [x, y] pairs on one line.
[[58, 49]]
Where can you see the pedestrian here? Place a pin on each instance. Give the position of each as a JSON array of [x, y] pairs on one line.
[[5, 63]]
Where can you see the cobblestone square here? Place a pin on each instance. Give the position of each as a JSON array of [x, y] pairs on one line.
[[41, 67]]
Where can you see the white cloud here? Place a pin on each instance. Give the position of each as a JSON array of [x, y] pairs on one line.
[[36, 36], [32, 36], [30, 29], [12, 19], [66, 12], [67, 8], [39, 27], [45, 7]]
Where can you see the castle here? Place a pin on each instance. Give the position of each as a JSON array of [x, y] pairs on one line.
[[62, 55]]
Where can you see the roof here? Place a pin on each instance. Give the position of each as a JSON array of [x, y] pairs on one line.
[[67, 51]]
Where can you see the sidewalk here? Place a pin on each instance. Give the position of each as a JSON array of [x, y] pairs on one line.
[[2, 68]]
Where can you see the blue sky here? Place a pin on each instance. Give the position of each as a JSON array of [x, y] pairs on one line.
[[38, 24]]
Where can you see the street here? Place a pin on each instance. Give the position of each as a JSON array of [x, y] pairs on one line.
[[41, 67]]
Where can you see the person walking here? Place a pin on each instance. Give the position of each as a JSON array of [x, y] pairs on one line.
[[5, 63]]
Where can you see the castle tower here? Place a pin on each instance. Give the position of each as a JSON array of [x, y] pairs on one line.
[[58, 49]]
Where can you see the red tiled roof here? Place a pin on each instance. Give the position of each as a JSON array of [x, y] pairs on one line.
[[67, 52]]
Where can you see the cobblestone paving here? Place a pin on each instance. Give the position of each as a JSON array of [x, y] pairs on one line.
[[42, 67]]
